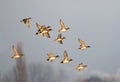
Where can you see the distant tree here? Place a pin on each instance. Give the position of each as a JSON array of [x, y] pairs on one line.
[[20, 70], [93, 79], [7, 78], [0, 77], [45, 73], [96, 78]]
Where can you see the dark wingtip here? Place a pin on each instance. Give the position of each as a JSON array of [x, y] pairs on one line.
[[68, 28], [50, 29], [57, 56], [71, 59], [21, 54], [86, 66], [61, 62], [89, 46], [38, 29], [36, 33], [64, 37]]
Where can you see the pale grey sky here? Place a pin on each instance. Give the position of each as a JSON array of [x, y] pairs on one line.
[[95, 21]]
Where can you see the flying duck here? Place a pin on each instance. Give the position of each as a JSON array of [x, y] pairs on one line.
[[66, 58], [63, 28], [83, 45], [60, 38], [51, 57], [26, 21], [16, 54], [81, 66], [43, 30]]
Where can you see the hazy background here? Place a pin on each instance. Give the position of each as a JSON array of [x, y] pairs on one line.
[[95, 21]]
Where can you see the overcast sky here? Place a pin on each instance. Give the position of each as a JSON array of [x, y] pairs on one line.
[[97, 22]]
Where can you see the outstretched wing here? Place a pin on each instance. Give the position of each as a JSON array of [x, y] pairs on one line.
[[62, 24], [15, 50], [46, 34], [65, 54], [80, 64], [50, 54], [23, 20], [27, 23], [38, 26], [82, 43], [59, 36]]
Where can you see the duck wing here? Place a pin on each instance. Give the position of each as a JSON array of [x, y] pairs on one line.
[[38, 26], [82, 43], [27, 23], [15, 50], [81, 64], [46, 34], [62, 24], [59, 36], [50, 54], [65, 55]]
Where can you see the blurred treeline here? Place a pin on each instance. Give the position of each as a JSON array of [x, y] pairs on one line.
[[39, 72]]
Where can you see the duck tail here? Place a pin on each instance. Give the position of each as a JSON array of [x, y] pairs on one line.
[[47, 59], [64, 37], [57, 56]]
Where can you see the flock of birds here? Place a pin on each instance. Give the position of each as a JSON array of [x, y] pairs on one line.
[[44, 31]]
